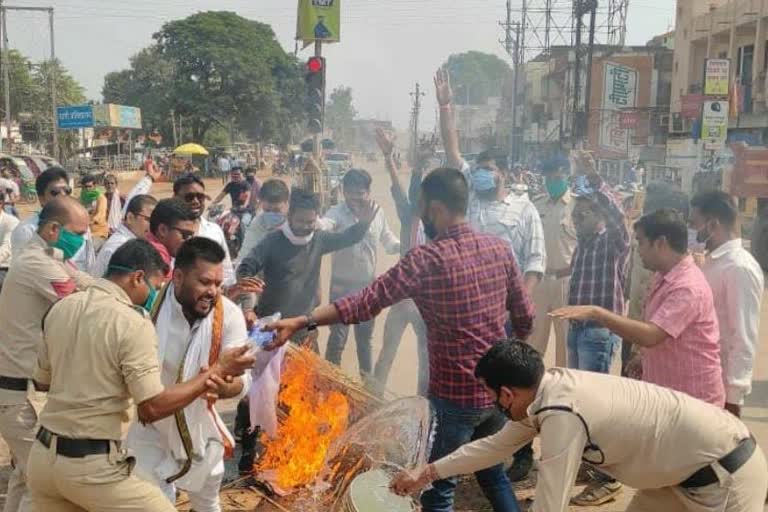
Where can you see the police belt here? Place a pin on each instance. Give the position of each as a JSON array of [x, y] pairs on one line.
[[730, 462], [13, 383], [74, 448]]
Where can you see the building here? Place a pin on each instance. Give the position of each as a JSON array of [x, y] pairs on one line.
[[736, 30], [629, 104]]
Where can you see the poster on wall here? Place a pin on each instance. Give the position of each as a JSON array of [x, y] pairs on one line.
[[716, 75], [714, 124], [619, 94]]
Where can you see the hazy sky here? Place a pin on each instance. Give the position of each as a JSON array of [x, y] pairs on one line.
[[387, 45]]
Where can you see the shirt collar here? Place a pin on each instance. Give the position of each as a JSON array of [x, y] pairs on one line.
[[682, 266], [456, 231], [536, 404], [111, 288], [53, 252], [726, 248]]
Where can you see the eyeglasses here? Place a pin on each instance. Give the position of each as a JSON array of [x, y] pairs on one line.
[[192, 196], [185, 233], [55, 192], [145, 217]]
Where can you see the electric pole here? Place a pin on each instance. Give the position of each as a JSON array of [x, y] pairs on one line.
[[416, 109], [6, 77]]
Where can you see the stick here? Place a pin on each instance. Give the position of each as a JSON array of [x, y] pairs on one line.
[[269, 500]]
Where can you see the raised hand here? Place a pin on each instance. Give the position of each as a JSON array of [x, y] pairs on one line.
[[386, 141], [367, 211], [443, 87]]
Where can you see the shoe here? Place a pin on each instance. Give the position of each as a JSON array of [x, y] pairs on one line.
[[521, 465], [597, 494]]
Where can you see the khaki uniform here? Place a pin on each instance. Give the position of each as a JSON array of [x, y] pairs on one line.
[[37, 279], [98, 353], [651, 438], [552, 292]]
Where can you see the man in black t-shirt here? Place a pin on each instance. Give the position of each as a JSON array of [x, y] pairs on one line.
[[236, 189]]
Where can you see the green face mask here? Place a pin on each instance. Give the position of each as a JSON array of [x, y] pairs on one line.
[[556, 188], [151, 298], [89, 196], [69, 243]]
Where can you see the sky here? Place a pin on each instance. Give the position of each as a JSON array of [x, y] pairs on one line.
[[387, 46]]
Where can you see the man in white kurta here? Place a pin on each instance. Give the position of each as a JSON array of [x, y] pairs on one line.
[[189, 313]]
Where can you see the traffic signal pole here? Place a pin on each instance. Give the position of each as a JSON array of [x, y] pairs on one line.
[[316, 136]]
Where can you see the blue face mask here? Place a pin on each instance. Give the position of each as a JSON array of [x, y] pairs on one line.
[[483, 180], [272, 220]]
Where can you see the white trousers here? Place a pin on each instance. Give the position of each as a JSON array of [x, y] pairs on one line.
[[149, 456], [550, 294]]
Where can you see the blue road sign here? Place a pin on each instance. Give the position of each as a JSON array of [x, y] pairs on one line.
[[74, 117]]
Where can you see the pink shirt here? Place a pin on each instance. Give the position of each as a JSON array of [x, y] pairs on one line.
[[680, 303]]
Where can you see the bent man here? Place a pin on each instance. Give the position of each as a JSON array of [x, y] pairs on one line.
[[681, 454], [98, 358], [194, 323]]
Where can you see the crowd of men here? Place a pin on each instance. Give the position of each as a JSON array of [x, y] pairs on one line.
[[111, 303]]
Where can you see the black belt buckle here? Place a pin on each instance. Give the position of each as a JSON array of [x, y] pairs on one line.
[[731, 462], [73, 448], [14, 383]]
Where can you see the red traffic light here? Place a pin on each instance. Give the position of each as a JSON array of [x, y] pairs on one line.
[[315, 64]]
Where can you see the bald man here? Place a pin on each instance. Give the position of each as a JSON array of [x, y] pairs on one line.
[[40, 276]]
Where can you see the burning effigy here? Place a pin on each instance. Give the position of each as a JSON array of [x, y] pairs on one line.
[[337, 445]]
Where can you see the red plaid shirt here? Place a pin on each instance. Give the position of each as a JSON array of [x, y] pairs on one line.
[[465, 285]]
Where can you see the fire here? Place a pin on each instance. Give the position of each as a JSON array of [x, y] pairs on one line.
[[315, 418]]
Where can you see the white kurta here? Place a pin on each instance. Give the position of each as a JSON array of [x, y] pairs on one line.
[[113, 243], [158, 446], [213, 231]]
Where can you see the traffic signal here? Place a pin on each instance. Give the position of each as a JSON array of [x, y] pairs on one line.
[[316, 93]]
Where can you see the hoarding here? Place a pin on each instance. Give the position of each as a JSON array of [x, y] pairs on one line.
[[619, 93], [714, 123], [716, 77], [691, 105], [74, 117], [319, 20], [629, 120], [750, 173], [116, 116]]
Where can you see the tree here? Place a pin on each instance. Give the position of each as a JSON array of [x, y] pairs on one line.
[[476, 76], [339, 115], [22, 84]]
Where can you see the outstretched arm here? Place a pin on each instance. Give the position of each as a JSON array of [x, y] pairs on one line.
[[447, 122]]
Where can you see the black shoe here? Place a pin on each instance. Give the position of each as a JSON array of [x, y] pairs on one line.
[[521, 465], [245, 465]]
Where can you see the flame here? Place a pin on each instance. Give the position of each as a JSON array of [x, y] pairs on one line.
[[315, 418]]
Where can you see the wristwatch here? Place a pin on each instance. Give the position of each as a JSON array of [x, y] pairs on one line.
[[311, 323]]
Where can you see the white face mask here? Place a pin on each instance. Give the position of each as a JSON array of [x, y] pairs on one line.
[[296, 240]]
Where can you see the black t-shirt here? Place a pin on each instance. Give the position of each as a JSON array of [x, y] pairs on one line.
[[235, 190], [292, 272]]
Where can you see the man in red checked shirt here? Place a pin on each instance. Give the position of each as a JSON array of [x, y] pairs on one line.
[[466, 285], [39, 277]]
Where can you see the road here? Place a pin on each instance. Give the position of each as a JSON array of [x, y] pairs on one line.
[[402, 380]]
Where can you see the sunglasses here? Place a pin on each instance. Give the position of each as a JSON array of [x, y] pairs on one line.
[[185, 233], [55, 192], [195, 196]]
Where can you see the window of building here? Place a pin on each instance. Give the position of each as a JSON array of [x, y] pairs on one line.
[[742, 204]]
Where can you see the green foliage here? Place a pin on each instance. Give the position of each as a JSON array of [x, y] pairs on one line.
[[30, 95], [476, 76], [216, 69], [339, 115]]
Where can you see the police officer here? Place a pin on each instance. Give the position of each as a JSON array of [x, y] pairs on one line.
[[682, 454], [99, 351], [40, 275]]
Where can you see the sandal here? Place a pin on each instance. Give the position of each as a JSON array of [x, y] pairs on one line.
[[598, 493]]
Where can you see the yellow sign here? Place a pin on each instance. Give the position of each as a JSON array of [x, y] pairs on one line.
[[319, 20], [717, 77]]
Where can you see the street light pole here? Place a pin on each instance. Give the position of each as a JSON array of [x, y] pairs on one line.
[[6, 77], [54, 115]]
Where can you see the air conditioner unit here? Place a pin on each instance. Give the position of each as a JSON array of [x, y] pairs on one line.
[[678, 124]]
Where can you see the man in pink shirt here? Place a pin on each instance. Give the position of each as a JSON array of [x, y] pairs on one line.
[[679, 335]]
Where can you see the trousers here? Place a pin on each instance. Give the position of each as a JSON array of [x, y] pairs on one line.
[[96, 483], [743, 491], [337, 339], [457, 426], [550, 294], [591, 348], [400, 316], [17, 426]]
